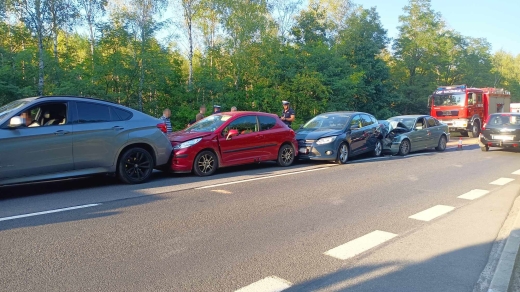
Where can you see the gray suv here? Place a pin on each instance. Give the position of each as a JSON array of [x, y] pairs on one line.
[[48, 138]]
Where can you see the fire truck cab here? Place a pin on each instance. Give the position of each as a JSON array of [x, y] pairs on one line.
[[465, 109]]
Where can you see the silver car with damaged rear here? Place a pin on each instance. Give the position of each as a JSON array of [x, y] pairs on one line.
[[49, 138], [410, 133]]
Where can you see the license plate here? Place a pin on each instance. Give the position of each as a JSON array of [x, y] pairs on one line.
[[503, 137], [304, 150]]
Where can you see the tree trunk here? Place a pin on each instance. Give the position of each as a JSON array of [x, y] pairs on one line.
[[141, 75], [190, 53], [39, 32]]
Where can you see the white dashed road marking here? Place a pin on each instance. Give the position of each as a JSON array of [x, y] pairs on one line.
[[502, 181], [48, 212], [260, 178], [516, 172], [222, 192], [269, 284], [473, 194], [432, 213], [360, 245]]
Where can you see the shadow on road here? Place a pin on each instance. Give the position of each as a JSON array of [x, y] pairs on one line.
[[458, 271]]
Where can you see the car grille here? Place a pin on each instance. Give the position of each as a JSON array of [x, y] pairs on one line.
[[447, 113], [305, 142]]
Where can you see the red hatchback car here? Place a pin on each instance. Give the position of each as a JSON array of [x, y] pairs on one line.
[[232, 138]]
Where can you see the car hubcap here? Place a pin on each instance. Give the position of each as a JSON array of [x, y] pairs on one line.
[[405, 147], [378, 148], [443, 143], [343, 156], [287, 154], [206, 163], [137, 166]]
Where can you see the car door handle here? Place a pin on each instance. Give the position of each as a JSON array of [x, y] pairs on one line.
[[118, 128], [61, 133]]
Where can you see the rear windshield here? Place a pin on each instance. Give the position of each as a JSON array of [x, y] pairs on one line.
[[504, 120]]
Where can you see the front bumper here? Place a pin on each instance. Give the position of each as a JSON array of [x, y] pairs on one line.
[[457, 125], [182, 161], [312, 151]]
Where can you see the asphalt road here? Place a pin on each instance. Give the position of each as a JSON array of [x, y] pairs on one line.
[[310, 227]]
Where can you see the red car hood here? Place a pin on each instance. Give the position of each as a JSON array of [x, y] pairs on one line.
[[182, 136]]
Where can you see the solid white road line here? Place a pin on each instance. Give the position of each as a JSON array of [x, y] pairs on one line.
[[373, 158], [48, 212], [269, 284], [473, 194], [260, 178], [360, 245], [432, 213], [418, 154], [516, 172], [502, 181]]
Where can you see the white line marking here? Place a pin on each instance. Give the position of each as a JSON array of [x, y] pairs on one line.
[[516, 172], [222, 192], [48, 212], [360, 245], [502, 181], [269, 284], [260, 178], [373, 158], [473, 194], [418, 154], [432, 213]]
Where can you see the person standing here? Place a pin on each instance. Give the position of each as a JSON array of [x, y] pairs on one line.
[[234, 109], [288, 114], [216, 109], [166, 119], [200, 115]]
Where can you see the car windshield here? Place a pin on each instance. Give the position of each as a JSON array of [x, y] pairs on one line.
[[6, 109], [328, 121], [208, 124], [408, 122], [504, 120], [452, 99]]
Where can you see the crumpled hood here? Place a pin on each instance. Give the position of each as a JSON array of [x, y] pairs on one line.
[[314, 134], [183, 136]]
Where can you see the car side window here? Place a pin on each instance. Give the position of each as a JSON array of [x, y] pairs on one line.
[[420, 124], [366, 120], [244, 125], [93, 113], [431, 122], [120, 114], [356, 121], [266, 123], [47, 114]]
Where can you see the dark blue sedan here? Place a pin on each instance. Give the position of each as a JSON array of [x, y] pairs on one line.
[[337, 136]]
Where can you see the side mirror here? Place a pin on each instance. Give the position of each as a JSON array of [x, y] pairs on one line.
[[429, 101], [354, 127], [231, 133], [16, 122]]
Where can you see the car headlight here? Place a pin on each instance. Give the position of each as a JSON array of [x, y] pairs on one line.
[[187, 144], [326, 140]]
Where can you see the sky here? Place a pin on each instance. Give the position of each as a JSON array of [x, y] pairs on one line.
[[496, 20]]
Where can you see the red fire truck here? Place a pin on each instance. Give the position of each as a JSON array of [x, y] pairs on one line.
[[465, 109]]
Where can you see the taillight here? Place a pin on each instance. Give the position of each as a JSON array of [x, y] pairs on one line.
[[162, 127], [484, 126]]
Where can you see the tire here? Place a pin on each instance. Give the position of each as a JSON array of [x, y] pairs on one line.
[[464, 134], [135, 166], [343, 153], [484, 149], [404, 148], [475, 130], [205, 163], [378, 150], [441, 146], [285, 155]]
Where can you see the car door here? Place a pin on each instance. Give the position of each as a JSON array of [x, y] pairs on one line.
[[244, 147], [98, 135], [419, 134], [270, 138], [356, 134], [35, 149], [369, 132], [433, 132]]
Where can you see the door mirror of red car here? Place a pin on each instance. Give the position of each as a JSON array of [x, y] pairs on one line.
[[232, 133]]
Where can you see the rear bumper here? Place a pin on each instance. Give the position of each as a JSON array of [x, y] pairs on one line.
[[483, 142]]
